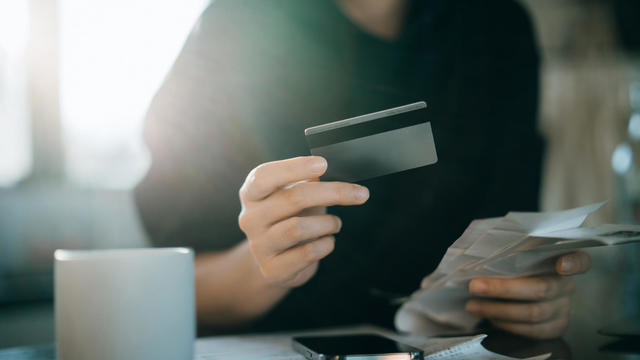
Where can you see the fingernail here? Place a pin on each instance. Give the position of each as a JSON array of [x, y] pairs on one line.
[[318, 165], [567, 265], [478, 287], [362, 193]]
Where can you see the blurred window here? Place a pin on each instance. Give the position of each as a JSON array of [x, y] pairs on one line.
[[114, 56], [15, 139]]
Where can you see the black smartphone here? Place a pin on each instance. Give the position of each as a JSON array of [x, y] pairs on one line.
[[352, 347]]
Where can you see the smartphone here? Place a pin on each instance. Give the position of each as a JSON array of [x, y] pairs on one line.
[[354, 347]]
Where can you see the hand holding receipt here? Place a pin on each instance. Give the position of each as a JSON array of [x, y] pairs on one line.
[[518, 245]]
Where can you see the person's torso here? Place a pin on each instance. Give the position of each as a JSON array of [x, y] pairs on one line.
[[302, 65]]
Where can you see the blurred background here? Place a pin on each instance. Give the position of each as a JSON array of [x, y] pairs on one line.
[[76, 77]]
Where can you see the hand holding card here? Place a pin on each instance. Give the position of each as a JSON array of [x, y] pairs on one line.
[[376, 144]]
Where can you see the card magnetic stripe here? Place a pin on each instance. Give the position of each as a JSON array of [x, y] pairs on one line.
[[367, 128]]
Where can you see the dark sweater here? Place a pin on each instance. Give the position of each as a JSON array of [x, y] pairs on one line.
[[254, 74]]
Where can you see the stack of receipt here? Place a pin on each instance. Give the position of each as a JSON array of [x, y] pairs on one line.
[[518, 244]]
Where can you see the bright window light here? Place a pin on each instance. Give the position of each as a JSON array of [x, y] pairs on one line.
[[114, 56], [15, 139], [622, 158], [634, 126]]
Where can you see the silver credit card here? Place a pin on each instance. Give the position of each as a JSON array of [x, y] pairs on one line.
[[376, 144]]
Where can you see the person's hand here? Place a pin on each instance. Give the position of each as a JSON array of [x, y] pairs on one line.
[[535, 307], [287, 233]]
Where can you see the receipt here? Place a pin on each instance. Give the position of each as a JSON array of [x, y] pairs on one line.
[[469, 349], [516, 245]]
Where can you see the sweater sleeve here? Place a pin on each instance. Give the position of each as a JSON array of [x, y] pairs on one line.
[[193, 131]]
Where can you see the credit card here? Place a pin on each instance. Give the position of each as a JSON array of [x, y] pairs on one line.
[[376, 144]]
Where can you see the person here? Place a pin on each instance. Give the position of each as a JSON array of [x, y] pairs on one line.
[[297, 252]]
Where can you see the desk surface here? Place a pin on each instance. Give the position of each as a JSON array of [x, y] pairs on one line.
[[594, 346]]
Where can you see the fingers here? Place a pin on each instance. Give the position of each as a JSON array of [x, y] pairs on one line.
[[293, 200], [313, 211], [575, 263], [519, 312], [548, 330], [541, 309], [528, 288], [284, 268], [284, 217], [290, 232], [271, 176]]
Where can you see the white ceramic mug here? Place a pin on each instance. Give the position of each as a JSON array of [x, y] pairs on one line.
[[125, 304]]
